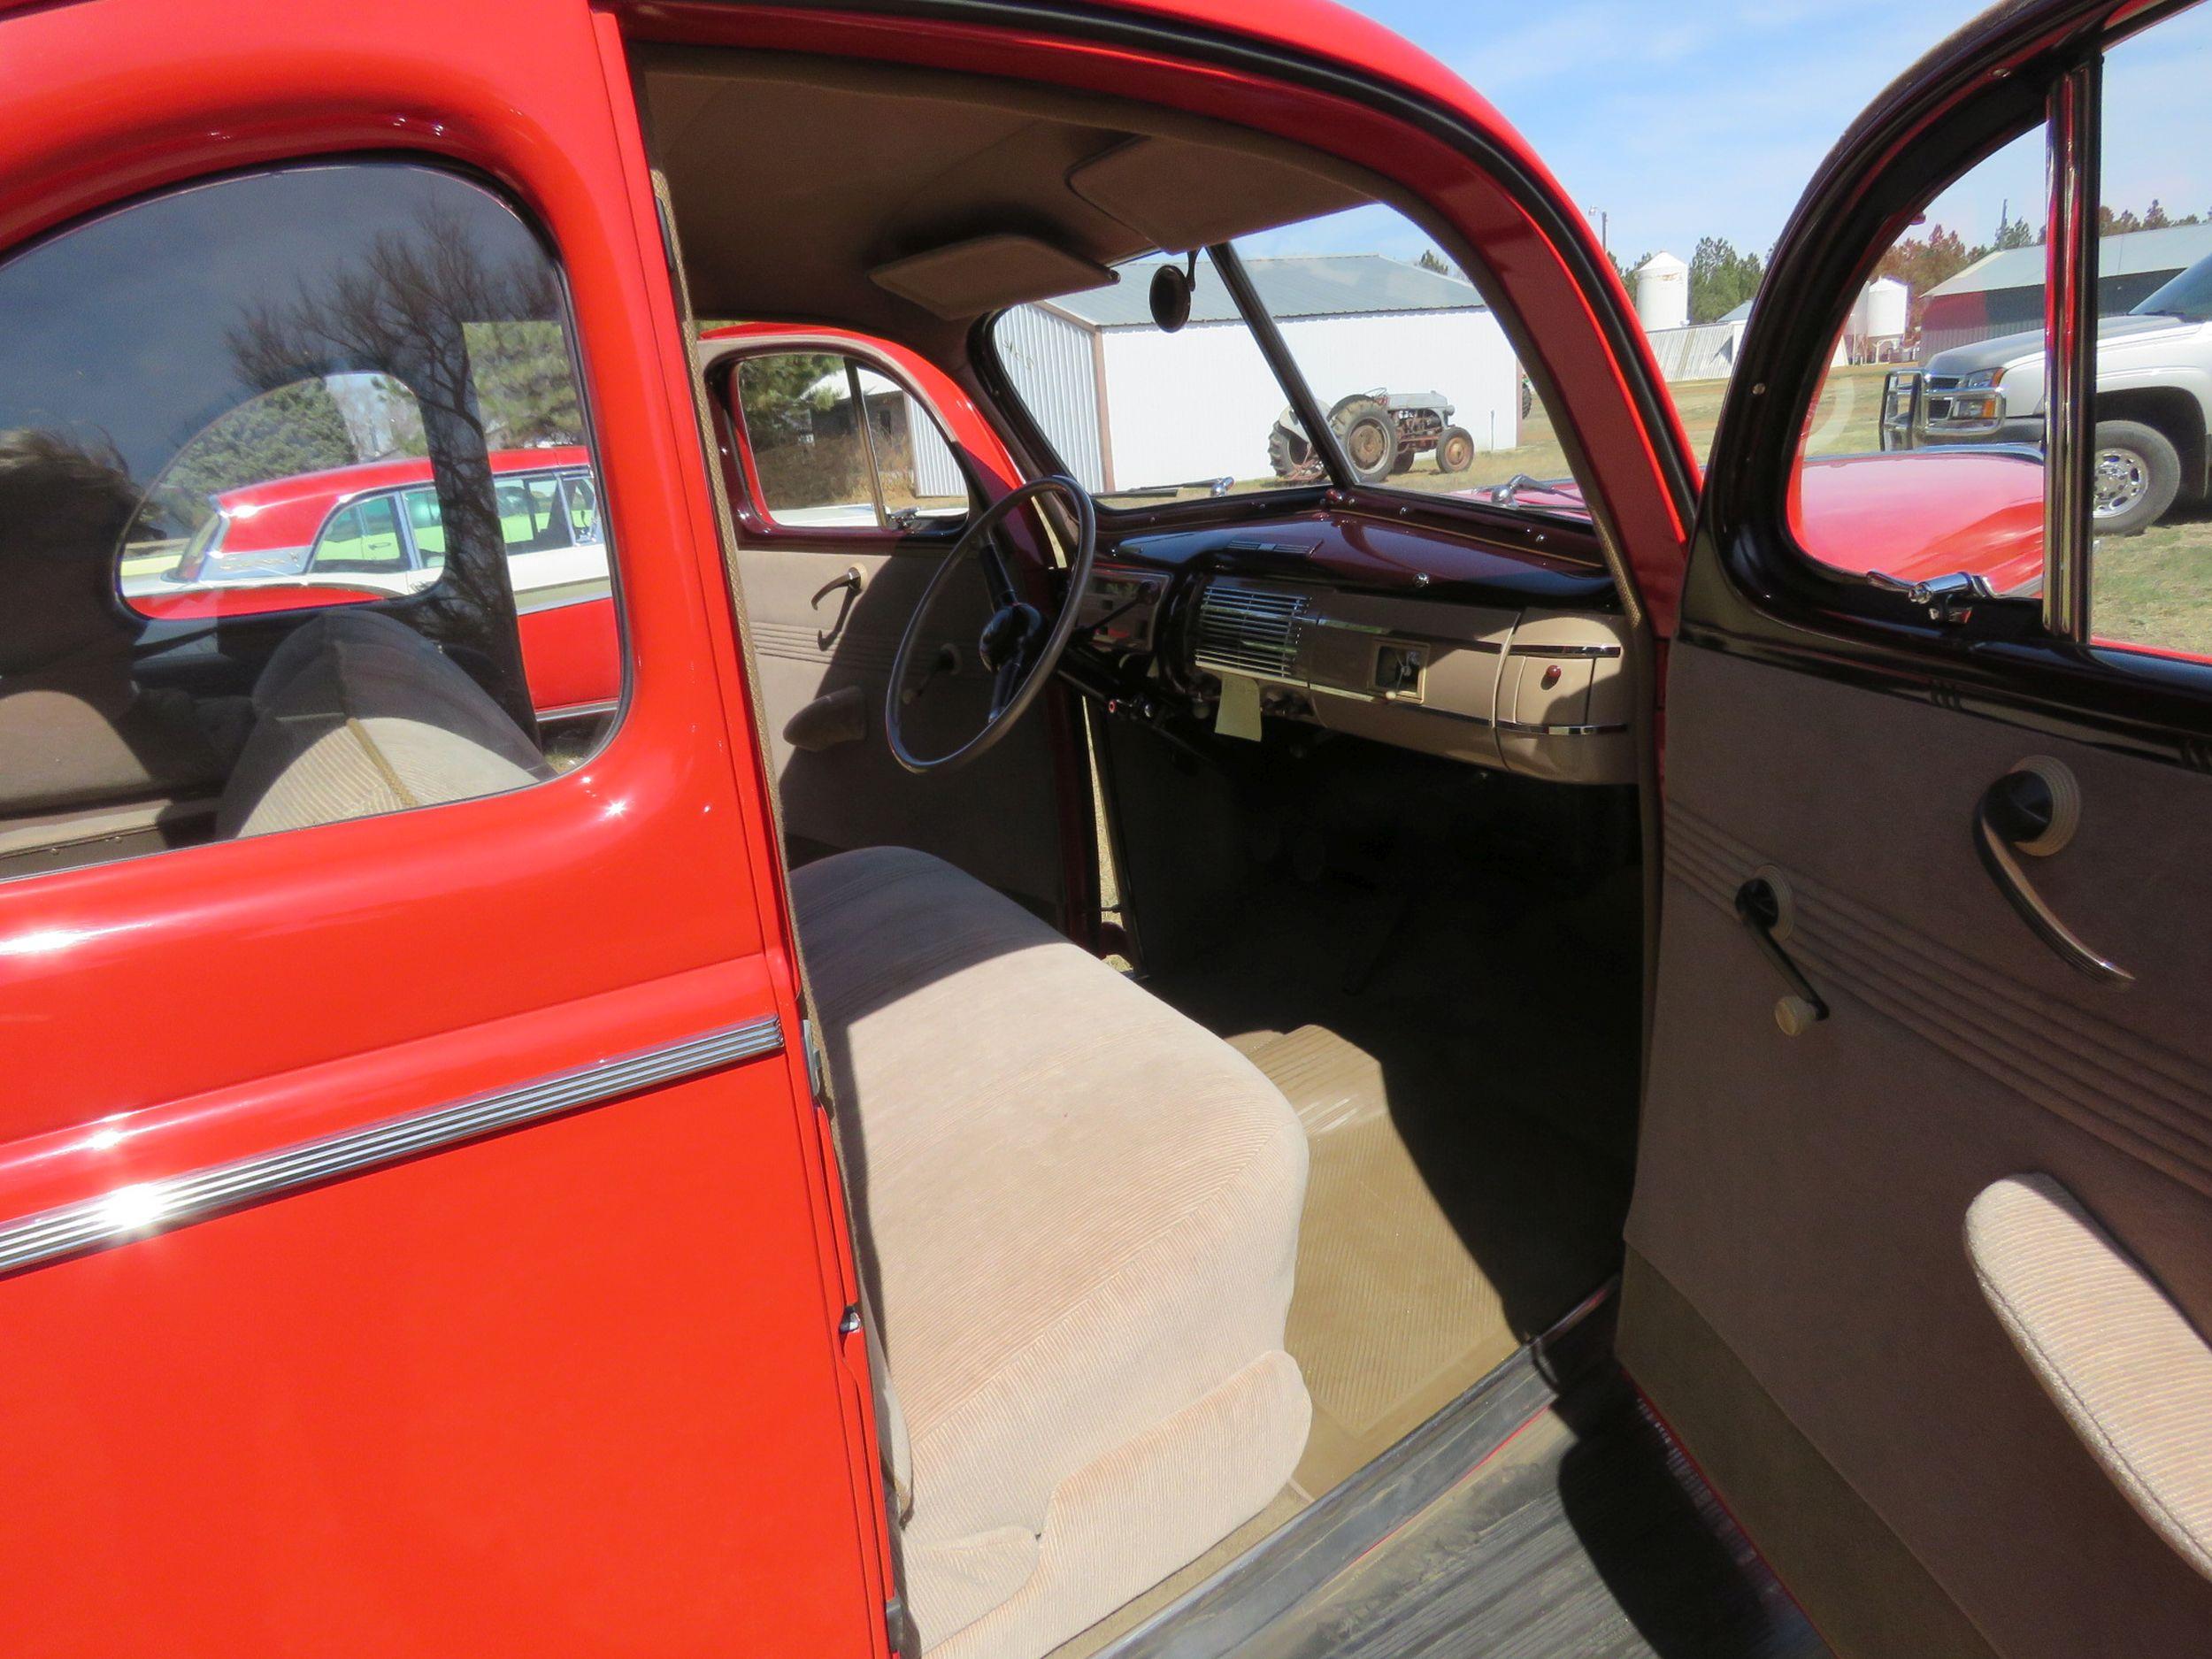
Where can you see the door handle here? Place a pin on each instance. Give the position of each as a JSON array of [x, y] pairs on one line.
[[850, 582], [2034, 810], [1759, 908]]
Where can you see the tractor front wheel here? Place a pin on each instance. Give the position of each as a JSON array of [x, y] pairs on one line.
[[1454, 451]]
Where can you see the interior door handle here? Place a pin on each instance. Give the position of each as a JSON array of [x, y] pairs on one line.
[[2033, 809], [850, 582]]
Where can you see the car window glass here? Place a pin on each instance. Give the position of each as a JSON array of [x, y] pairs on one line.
[[1138, 416], [1922, 453], [583, 509], [2150, 562], [920, 477], [425, 525], [823, 458], [254, 574], [1407, 360], [363, 539]]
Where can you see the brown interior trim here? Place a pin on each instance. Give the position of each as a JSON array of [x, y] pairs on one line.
[[1868, 1594]]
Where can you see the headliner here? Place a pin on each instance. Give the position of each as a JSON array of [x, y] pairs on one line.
[[793, 178]]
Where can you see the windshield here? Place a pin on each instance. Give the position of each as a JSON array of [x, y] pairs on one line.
[[1413, 373], [2188, 295]]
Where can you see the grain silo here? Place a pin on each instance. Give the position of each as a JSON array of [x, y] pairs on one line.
[[1663, 293]]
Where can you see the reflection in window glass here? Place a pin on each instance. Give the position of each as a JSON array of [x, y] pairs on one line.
[[364, 538], [2151, 559], [1923, 452], [302, 423]]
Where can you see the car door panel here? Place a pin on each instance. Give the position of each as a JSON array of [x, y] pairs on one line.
[[499, 1306], [1807, 1197], [815, 639]]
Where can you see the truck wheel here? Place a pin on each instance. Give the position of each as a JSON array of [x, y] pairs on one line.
[[1454, 451], [1369, 437], [2137, 474]]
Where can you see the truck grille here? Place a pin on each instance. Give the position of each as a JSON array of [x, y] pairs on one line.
[[1248, 630]]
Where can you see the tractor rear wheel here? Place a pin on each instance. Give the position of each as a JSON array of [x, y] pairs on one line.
[[1454, 451], [1369, 437], [1288, 451]]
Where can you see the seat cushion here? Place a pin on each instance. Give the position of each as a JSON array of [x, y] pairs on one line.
[[1078, 1215], [356, 713]]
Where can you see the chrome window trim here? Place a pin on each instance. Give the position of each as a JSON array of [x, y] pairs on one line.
[[2069, 343], [139, 1209]]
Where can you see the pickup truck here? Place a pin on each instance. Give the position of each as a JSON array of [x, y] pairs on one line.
[[2154, 401]]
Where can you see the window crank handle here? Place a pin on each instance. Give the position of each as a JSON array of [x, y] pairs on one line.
[[1759, 908]]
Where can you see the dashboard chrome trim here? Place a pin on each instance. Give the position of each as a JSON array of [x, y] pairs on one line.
[[139, 1209]]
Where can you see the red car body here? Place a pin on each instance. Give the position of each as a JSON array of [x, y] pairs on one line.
[[284, 515], [331, 1422]]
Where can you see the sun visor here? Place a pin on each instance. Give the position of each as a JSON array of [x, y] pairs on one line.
[[967, 278], [1180, 196]]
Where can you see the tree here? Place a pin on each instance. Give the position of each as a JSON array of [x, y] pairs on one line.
[[294, 428], [1721, 278], [1432, 260], [1920, 262], [2014, 233], [777, 392], [1627, 273]]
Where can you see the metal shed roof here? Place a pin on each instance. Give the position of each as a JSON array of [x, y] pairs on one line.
[[2173, 248], [1321, 284]]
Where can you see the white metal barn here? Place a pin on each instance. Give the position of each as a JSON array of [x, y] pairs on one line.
[[1127, 405]]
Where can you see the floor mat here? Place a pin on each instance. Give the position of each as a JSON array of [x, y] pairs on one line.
[[1464, 1072], [1413, 1282]]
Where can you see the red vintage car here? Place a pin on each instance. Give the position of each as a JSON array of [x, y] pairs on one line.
[[1018, 1037]]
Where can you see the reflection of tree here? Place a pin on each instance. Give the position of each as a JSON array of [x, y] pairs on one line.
[[296, 428], [407, 306]]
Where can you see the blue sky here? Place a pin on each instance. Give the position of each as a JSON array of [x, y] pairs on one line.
[[1685, 120], [1707, 119]]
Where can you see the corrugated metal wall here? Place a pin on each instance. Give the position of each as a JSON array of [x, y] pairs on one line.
[[1968, 318], [1048, 359], [935, 471]]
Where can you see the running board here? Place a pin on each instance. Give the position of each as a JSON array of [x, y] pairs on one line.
[[1319, 1543]]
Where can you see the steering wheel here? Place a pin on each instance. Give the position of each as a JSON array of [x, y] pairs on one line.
[[1016, 646]]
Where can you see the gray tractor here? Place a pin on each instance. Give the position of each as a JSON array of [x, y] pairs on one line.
[[1380, 434]]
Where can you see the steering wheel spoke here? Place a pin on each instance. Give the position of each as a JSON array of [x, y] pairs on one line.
[[1017, 646]]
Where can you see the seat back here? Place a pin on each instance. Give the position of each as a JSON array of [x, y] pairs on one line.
[[358, 714]]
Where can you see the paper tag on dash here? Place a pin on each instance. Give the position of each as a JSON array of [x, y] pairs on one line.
[[1238, 713]]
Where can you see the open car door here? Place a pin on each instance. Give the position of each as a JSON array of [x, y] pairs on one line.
[[852, 464], [1920, 1261]]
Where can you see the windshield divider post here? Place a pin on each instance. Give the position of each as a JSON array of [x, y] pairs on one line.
[[1273, 348], [2069, 330]]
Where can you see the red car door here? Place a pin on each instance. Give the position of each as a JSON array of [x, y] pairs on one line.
[[416, 1234]]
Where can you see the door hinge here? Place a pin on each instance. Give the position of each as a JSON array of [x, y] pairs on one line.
[[816, 1073], [894, 1627]]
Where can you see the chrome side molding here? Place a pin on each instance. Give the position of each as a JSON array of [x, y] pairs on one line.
[[144, 1207]]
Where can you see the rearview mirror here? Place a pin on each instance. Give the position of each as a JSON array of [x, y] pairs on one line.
[[1171, 298]]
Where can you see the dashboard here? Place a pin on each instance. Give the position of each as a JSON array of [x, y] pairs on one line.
[[1512, 661]]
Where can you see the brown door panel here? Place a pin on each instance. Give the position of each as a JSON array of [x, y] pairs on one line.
[[1806, 1197], [815, 637]]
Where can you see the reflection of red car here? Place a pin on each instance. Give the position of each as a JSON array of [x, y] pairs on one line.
[[1916, 514], [354, 534]]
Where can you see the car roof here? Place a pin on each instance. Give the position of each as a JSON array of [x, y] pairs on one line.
[[337, 482]]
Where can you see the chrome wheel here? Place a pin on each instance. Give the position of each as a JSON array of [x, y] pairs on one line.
[[2123, 478]]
